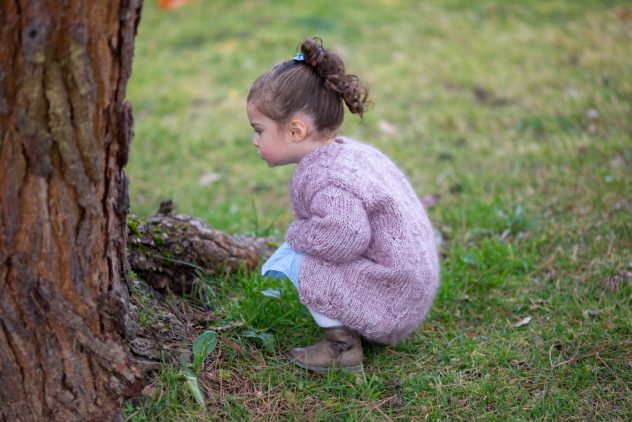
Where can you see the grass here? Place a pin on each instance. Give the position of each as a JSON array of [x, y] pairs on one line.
[[517, 114]]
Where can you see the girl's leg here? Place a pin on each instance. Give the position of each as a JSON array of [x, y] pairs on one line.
[[285, 262], [323, 320]]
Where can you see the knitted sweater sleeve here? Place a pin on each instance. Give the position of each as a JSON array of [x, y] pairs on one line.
[[337, 229]]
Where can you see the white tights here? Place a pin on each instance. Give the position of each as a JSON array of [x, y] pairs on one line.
[[323, 320]]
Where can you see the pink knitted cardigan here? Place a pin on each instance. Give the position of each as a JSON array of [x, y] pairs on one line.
[[370, 255]]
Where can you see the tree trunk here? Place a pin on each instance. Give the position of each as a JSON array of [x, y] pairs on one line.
[[65, 131]]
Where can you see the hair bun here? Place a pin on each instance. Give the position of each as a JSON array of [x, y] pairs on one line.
[[330, 66], [312, 49]]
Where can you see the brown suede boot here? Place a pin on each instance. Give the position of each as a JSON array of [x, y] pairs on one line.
[[341, 348]]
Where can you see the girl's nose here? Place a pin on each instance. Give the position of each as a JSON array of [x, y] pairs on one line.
[[254, 143]]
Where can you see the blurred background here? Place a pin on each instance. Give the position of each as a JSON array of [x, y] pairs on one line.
[[513, 121], [481, 100]]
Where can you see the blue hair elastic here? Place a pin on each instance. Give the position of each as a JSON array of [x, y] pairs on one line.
[[299, 57]]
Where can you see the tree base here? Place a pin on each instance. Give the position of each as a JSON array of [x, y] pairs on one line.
[[173, 251]]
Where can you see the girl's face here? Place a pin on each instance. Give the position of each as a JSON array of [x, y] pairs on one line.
[[273, 141]]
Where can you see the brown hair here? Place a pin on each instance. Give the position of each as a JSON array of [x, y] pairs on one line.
[[316, 85]]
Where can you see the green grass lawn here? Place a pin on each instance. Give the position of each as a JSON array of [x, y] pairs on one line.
[[518, 115]]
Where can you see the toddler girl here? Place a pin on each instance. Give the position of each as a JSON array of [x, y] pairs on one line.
[[361, 249]]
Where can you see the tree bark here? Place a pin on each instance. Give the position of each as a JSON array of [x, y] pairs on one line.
[[65, 131], [172, 251]]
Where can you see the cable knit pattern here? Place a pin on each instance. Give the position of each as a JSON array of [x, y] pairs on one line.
[[371, 260]]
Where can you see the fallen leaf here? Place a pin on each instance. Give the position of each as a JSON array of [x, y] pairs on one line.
[[393, 402], [504, 235], [572, 93], [622, 277], [149, 390], [624, 15], [273, 293], [519, 364], [387, 128], [430, 201], [617, 161], [622, 205], [524, 321], [171, 4], [209, 178], [394, 383], [592, 114]]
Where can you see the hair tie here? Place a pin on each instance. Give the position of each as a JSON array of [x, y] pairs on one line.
[[299, 57]]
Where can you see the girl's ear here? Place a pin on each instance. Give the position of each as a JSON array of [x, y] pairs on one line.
[[298, 130]]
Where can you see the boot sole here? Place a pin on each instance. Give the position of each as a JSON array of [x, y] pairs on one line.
[[320, 369]]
